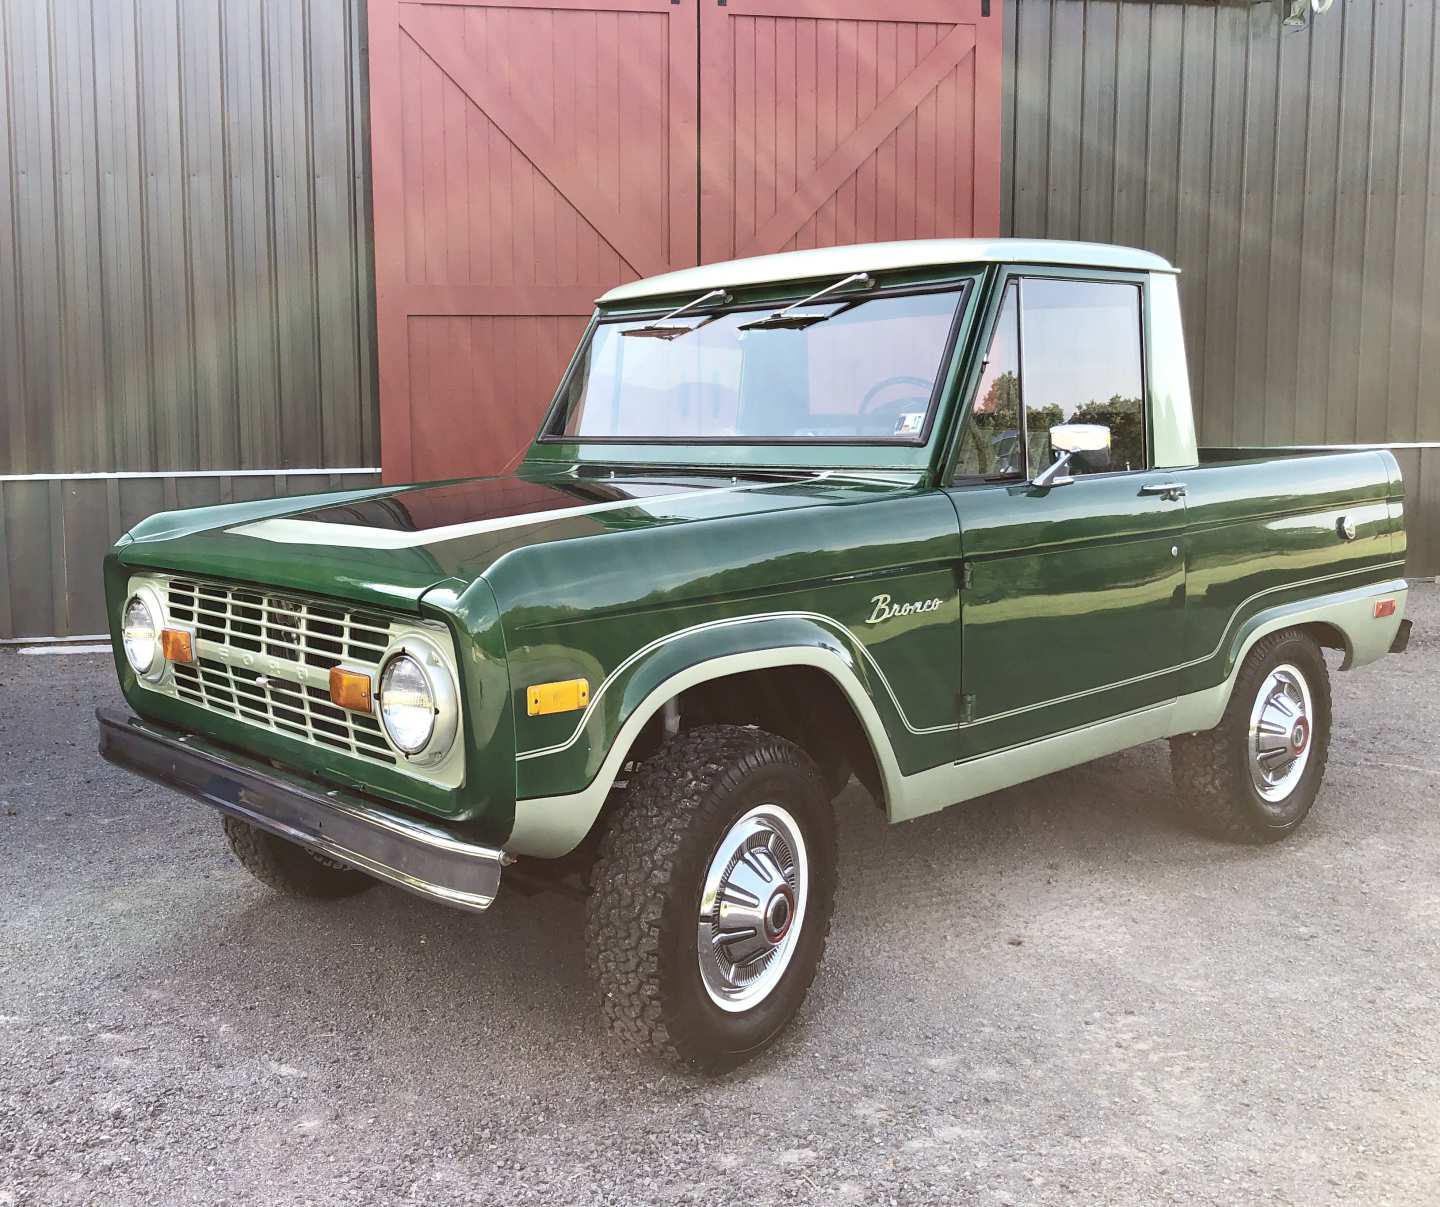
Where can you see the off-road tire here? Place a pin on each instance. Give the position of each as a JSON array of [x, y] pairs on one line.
[[1211, 770], [641, 929], [289, 868]]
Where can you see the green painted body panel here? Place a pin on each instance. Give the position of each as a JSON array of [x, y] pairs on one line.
[[1262, 532], [1073, 588], [1093, 600], [632, 565], [487, 796], [199, 541], [698, 593]]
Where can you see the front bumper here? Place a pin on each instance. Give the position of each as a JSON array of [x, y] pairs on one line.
[[416, 855]]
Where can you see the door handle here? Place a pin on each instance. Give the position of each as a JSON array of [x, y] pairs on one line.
[[1170, 491]]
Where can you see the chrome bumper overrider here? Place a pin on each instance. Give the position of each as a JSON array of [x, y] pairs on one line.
[[416, 855]]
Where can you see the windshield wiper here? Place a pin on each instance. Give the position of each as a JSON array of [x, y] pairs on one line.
[[661, 328], [788, 318]]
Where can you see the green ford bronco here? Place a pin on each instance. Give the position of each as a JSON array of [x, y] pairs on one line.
[[927, 514]]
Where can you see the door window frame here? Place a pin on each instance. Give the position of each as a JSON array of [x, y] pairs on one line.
[[987, 329]]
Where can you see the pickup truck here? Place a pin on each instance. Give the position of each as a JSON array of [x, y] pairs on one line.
[[930, 515]]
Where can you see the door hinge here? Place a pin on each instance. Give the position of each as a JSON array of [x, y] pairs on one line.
[[984, 8], [967, 708], [967, 575]]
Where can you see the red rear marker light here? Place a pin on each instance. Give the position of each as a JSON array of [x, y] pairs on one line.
[[1384, 608], [177, 646]]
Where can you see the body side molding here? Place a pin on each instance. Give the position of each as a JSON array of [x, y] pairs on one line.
[[550, 826], [1232, 632]]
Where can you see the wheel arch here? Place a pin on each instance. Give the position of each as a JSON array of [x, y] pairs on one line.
[[801, 702], [1331, 637], [551, 826], [1344, 620]]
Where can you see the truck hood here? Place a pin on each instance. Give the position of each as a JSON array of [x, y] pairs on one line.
[[389, 546]]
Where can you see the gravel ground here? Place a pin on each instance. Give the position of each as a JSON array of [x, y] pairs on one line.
[[1051, 995]]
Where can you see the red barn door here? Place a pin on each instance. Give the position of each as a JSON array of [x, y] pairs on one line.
[[527, 155], [845, 121]]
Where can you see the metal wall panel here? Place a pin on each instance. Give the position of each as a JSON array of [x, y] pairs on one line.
[[54, 533], [1293, 176], [185, 272], [185, 277]]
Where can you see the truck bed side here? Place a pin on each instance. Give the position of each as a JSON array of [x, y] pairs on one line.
[[1264, 531]]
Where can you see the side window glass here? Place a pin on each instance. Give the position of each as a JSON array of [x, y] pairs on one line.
[[990, 444], [1082, 365]]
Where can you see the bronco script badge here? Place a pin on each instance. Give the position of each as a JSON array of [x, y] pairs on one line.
[[885, 610]]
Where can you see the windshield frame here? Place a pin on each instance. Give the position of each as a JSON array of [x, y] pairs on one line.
[[949, 279]]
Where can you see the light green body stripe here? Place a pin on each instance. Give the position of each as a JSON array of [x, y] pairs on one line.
[[844, 630], [551, 826]]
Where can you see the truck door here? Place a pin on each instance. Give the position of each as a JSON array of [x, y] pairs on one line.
[[1073, 592]]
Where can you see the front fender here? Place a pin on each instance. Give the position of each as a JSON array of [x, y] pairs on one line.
[[564, 785]]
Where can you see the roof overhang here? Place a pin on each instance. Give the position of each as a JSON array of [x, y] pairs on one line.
[[818, 262]]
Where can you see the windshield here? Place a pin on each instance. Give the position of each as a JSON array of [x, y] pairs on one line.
[[861, 371]]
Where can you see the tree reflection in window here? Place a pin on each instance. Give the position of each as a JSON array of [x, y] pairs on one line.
[[990, 445], [1081, 365]]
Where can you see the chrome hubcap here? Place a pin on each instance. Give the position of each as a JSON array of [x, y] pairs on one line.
[[752, 908], [1280, 733]]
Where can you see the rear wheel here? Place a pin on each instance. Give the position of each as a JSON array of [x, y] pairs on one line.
[[712, 896], [289, 868], [1254, 777]]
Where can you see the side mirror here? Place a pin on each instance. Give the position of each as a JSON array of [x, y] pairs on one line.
[[1090, 440], [1080, 438]]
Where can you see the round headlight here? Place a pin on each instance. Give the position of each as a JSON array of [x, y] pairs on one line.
[[140, 633], [407, 703]]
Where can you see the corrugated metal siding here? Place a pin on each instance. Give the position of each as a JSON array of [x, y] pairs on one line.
[[185, 275], [185, 268], [184, 236], [1294, 176]]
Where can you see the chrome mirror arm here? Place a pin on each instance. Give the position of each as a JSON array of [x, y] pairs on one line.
[[1054, 474]]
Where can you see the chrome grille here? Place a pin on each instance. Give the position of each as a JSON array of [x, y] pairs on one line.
[[305, 631], [265, 658]]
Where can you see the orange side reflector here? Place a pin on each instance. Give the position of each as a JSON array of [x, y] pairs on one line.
[[564, 696], [350, 689], [176, 646], [1384, 608]]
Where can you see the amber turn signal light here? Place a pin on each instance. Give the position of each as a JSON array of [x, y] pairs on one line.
[[350, 689], [177, 646], [1384, 608]]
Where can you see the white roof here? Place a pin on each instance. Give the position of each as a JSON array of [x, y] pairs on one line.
[[882, 257]]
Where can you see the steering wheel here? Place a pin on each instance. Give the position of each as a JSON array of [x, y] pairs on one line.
[[900, 379]]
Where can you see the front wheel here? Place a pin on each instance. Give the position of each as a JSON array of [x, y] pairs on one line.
[[1255, 775], [289, 868], [712, 896]]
